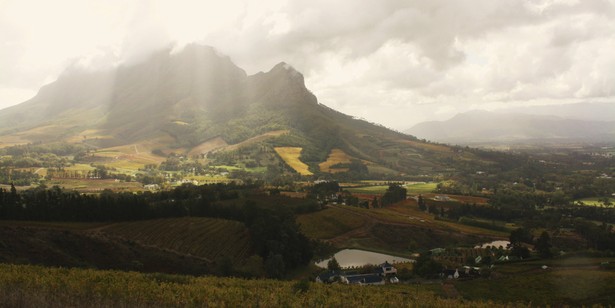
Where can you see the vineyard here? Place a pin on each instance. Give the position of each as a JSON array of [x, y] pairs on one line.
[[329, 223], [202, 237], [35, 286]]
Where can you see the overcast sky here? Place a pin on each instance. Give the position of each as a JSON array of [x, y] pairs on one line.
[[391, 62]]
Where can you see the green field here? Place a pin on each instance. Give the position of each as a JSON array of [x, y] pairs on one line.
[[379, 189], [421, 188], [596, 201], [35, 286], [413, 189]]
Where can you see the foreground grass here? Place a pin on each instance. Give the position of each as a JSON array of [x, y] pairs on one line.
[[35, 286], [553, 286]]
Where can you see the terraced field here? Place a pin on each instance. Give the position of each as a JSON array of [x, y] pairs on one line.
[[291, 155], [207, 238]]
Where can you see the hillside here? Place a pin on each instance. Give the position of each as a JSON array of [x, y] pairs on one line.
[[483, 127], [198, 103], [66, 247]]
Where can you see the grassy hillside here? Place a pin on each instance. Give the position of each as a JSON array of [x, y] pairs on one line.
[[34, 286]]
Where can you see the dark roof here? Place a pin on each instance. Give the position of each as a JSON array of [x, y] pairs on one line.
[[325, 276], [386, 264], [449, 271], [366, 278]]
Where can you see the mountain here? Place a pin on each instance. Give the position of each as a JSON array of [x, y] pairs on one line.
[[476, 127], [199, 103]]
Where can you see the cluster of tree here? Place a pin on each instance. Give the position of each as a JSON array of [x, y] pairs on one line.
[[395, 193], [35, 160], [59, 149], [489, 212], [323, 190], [17, 177], [599, 237], [274, 233]]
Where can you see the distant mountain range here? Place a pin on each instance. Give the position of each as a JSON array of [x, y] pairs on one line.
[[197, 102], [476, 127]]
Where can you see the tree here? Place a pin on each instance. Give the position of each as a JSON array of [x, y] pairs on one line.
[[520, 251], [393, 194], [421, 202], [375, 203], [274, 266], [425, 266], [333, 265], [519, 236], [543, 245]]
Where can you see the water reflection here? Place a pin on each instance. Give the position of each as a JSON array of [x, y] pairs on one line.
[[495, 244], [356, 257]]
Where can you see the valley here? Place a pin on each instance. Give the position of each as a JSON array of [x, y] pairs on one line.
[[185, 164]]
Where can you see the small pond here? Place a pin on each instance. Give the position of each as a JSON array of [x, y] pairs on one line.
[[495, 244], [356, 257]]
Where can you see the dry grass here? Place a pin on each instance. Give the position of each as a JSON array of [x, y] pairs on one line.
[[427, 146], [89, 134], [95, 186], [291, 155], [336, 156], [208, 146], [256, 139]]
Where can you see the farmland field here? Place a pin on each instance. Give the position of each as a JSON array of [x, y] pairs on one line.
[[208, 238], [336, 156], [596, 201], [95, 185], [376, 190], [291, 155], [412, 188]]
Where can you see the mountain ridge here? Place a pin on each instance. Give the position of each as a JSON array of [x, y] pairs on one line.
[[481, 126], [175, 102]]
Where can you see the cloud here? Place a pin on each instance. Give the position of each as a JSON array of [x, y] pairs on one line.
[[366, 58]]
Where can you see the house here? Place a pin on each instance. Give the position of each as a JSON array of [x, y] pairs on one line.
[[152, 187], [437, 251], [450, 273], [442, 198], [386, 269], [363, 279]]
